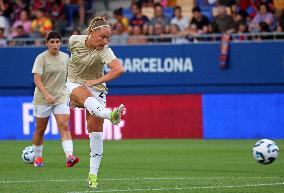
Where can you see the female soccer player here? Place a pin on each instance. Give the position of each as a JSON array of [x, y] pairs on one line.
[[50, 71], [86, 84]]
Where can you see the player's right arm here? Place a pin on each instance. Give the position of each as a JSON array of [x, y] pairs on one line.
[[48, 97]]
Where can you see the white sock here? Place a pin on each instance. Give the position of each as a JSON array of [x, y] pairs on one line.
[[96, 151], [38, 150], [96, 109], [67, 147]]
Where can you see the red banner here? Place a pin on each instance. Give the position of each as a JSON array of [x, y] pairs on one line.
[[149, 116]]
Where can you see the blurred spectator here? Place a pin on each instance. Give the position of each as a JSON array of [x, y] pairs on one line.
[[73, 7], [236, 12], [177, 36], [159, 33], [5, 12], [280, 23], [3, 41], [137, 37], [192, 32], [17, 6], [55, 11], [159, 18], [119, 35], [4, 24], [138, 19], [22, 21], [239, 16], [35, 5], [264, 28], [223, 23], [263, 14], [242, 28], [6, 8], [118, 15], [279, 7], [41, 25], [179, 19], [201, 21], [76, 32], [20, 33]]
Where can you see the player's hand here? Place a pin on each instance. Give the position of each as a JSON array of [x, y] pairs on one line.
[[90, 83], [50, 99]]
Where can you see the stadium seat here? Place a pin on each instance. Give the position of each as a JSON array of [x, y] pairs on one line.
[[127, 13], [169, 11], [207, 11]]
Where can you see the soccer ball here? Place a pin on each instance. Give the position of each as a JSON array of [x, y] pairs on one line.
[[265, 151], [28, 155]]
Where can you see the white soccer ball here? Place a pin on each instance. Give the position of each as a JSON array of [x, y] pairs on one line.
[[28, 155], [265, 151]]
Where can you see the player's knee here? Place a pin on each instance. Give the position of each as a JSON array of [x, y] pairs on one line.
[[79, 95], [93, 128], [63, 126], [91, 104]]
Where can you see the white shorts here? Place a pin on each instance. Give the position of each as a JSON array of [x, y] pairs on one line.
[[100, 96], [42, 111]]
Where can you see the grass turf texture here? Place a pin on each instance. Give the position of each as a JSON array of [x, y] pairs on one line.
[[145, 166]]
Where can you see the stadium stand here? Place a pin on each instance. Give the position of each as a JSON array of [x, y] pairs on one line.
[[69, 17]]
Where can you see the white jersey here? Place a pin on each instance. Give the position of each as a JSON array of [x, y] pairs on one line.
[[53, 71], [86, 63]]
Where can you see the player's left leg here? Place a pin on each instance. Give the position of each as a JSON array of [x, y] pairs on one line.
[[95, 128], [61, 113]]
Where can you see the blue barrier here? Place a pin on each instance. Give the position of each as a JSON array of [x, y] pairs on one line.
[[169, 69], [243, 116], [17, 121], [224, 116]]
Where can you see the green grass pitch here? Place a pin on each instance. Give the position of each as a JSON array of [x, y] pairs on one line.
[[198, 166]]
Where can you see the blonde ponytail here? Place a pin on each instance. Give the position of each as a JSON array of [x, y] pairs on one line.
[[97, 23]]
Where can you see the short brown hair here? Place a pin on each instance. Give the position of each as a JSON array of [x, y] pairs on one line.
[[53, 35]]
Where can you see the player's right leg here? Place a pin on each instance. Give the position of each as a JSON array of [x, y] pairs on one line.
[[83, 97], [41, 113], [115, 116]]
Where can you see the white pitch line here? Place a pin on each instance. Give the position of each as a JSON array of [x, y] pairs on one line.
[[32, 181], [135, 179], [189, 188]]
